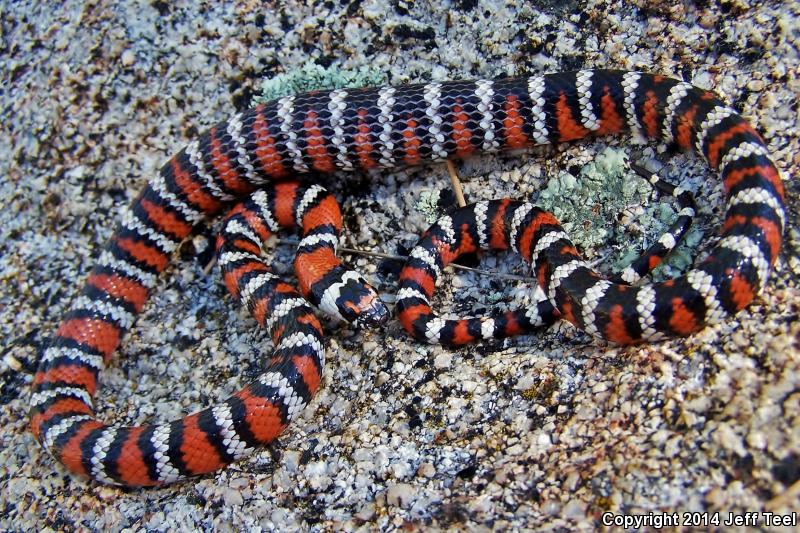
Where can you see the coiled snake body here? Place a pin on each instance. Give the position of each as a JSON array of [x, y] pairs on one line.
[[386, 127]]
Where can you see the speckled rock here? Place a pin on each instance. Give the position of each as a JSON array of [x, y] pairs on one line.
[[544, 432]]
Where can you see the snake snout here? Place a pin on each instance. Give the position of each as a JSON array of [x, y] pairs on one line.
[[373, 313], [360, 305]]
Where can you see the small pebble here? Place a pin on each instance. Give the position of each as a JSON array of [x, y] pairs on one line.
[[400, 494], [128, 58]]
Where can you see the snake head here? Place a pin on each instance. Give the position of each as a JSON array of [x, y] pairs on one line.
[[372, 312], [352, 299]]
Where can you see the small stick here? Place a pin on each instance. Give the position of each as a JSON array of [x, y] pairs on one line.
[[382, 255], [210, 265], [454, 265], [451, 169]]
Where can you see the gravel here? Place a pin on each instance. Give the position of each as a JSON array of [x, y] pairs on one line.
[[543, 432]]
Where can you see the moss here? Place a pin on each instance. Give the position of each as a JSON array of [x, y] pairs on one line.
[[312, 77], [593, 205]]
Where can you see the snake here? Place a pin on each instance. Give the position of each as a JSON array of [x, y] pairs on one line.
[[323, 132], [534, 234]]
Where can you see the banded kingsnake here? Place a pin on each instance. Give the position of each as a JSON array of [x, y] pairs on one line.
[[389, 127]]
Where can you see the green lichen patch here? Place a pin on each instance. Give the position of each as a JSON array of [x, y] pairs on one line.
[[608, 205], [313, 77], [428, 205]]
